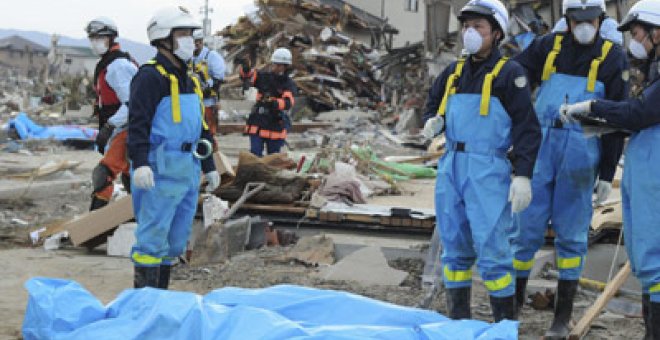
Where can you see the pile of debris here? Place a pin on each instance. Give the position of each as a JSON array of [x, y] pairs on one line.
[[337, 52]]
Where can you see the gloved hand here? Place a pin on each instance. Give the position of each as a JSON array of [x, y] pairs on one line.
[[520, 193], [213, 179], [103, 136], [570, 113], [603, 190], [143, 177], [433, 127], [209, 83]]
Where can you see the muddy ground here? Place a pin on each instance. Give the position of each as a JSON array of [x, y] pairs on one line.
[[105, 276]]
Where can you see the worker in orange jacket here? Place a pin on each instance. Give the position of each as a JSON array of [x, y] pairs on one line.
[[269, 122], [112, 81]]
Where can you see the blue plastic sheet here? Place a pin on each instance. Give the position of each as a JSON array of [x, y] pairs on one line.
[[62, 309], [27, 129]]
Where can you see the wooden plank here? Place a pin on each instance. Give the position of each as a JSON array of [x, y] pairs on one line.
[[414, 159], [225, 128], [582, 327], [47, 169], [99, 222], [222, 164], [274, 208]]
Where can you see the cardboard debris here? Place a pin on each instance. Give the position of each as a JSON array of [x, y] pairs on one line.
[[93, 228]]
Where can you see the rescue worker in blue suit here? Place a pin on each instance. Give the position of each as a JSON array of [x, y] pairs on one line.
[[570, 67], [167, 141], [210, 67], [608, 29], [486, 102], [641, 178]]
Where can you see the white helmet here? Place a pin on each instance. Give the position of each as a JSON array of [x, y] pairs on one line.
[[489, 8], [165, 20], [101, 26], [198, 34], [581, 10], [646, 12], [281, 56]]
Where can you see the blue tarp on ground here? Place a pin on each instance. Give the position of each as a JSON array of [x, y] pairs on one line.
[[62, 309], [27, 129]]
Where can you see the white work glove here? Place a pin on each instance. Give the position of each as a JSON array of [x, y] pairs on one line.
[[213, 179], [209, 82], [520, 193], [143, 178], [570, 112], [603, 190], [433, 127]]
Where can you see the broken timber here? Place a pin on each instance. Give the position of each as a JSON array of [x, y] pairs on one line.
[[582, 327], [357, 220], [226, 128]]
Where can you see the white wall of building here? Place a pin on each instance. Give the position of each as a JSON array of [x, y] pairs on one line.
[[409, 23]]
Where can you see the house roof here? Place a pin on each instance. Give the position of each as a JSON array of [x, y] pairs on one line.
[[76, 51], [18, 43], [369, 19]]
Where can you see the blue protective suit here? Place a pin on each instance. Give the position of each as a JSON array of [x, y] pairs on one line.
[[641, 181], [472, 209], [165, 212], [215, 67], [568, 163]]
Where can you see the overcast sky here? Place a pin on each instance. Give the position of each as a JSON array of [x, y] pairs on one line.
[[69, 17]]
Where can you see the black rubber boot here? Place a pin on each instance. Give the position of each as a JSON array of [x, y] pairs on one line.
[[521, 285], [97, 203], [564, 297], [503, 308], [146, 277], [164, 276], [646, 312], [654, 320], [458, 303]]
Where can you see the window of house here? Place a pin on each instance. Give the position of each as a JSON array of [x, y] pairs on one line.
[[411, 5], [68, 61]]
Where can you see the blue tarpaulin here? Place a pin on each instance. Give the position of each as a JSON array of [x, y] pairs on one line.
[[62, 309], [27, 129]]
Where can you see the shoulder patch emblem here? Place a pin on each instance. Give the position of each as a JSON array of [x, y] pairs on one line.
[[520, 82]]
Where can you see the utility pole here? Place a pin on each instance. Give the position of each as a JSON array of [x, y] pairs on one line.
[[206, 22]]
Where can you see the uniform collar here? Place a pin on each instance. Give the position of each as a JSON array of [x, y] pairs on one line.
[[488, 63], [202, 52], [593, 50], [169, 66]]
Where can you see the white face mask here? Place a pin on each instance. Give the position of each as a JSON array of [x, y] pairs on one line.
[[637, 49], [584, 33], [472, 40], [186, 48], [99, 46]]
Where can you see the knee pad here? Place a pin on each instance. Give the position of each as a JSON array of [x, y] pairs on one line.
[[100, 177]]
